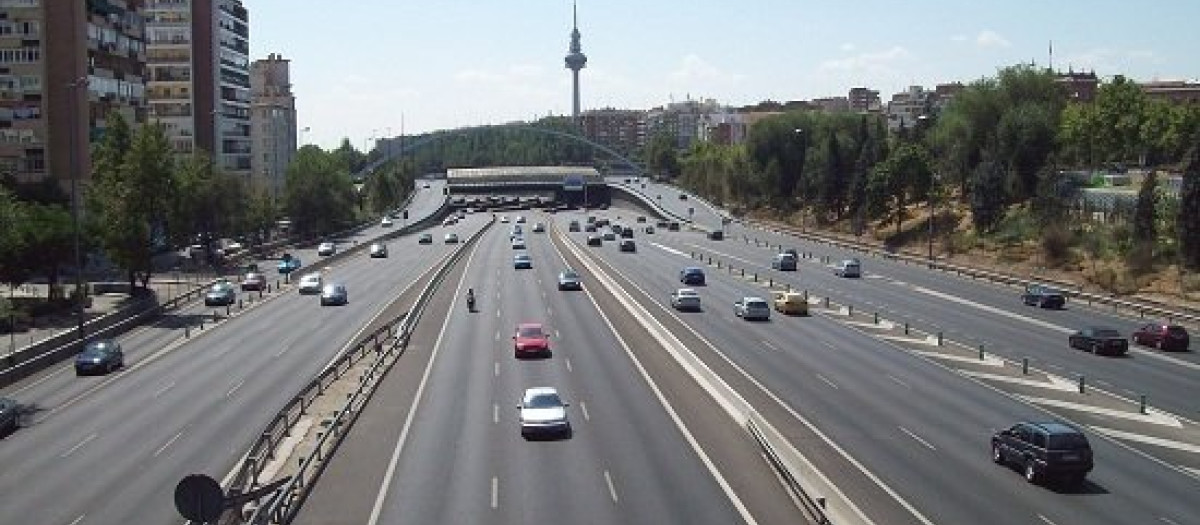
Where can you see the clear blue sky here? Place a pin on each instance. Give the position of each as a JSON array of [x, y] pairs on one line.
[[360, 67]]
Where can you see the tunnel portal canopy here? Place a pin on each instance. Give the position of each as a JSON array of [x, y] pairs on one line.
[[566, 176]]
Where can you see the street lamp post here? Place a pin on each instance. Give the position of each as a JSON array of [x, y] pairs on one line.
[[73, 88], [800, 138]]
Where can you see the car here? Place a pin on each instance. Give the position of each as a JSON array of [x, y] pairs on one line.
[[425, 238], [752, 308], [673, 226], [590, 228], [379, 250], [1044, 450], [685, 299], [683, 196], [662, 224], [1043, 296], [326, 249], [522, 261], [220, 294], [649, 229], [784, 262], [716, 235], [539, 228], [595, 240], [848, 268], [288, 263], [542, 412], [518, 243], [691, 275], [425, 186], [609, 236], [450, 221], [790, 303], [627, 245], [520, 219], [1099, 340], [99, 357], [451, 238], [626, 233], [641, 218], [504, 219], [573, 226], [386, 222], [310, 284], [1164, 336], [531, 339], [253, 281], [517, 231], [334, 294], [10, 415], [569, 280]]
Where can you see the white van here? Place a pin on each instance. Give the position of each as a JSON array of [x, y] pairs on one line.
[[848, 268]]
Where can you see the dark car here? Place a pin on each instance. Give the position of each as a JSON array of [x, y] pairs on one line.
[[691, 275], [627, 233], [10, 413], [716, 235], [595, 240], [99, 357], [573, 226], [221, 294], [1099, 340], [254, 281], [627, 245], [1043, 296], [1044, 450], [1162, 336], [425, 238], [590, 228], [673, 226]]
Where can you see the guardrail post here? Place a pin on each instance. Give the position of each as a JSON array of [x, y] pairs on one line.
[[756, 277], [876, 317], [982, 355], [939, 334], [905, 328], [226, 310], [1142, 404], [1025, 366], [187, 331], [771, 282], [1082, 384], [743, 272], [826, 301], [240, 304], [718, 264], [850, 312]]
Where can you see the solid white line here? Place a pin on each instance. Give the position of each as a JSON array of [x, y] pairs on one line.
[[897, 380], [495, 413], [1047, 520], [495, 492], [80, 444], [1149, 440], [583, 408], [568, 361], [235, 387], [163, 390], [496, 369], [167, 444], [497, 335], [827, 381], [1152, 416], [77, 520], [612, 491], [918, 438], [1167, 520], [377, 508], [769, 345]]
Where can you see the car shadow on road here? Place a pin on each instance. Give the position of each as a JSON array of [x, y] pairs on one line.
[[1087, 488]]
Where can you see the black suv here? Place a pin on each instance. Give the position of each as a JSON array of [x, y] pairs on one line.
[[1044, 450], [1043, 296]]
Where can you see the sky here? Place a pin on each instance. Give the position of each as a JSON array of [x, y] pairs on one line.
[[369, 68]]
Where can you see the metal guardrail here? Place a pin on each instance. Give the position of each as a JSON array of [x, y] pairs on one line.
[[282, 505], [1142, 308]]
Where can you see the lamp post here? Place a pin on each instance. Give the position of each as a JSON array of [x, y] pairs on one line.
[[73, 89], [800, 139]]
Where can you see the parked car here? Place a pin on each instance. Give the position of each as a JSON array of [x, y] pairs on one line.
[[1044, 450], [752, 308], [791, 303], [522, 261], [530, 339], [848, 268], [379, 250], [253, 281], [10, 415], [785, 262], [310, 284], [326, 249], [1162, 336], [595, 240], [569, 280], [542, 412], [627, 245], [451, 238], [1099, 340], [425, 238], [1043, 296], [334, 294], [288, 263], [685, 299], [692, 275], [99, 357], [220, 294]]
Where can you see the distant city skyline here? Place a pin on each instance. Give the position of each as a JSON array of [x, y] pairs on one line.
[[469, 62]]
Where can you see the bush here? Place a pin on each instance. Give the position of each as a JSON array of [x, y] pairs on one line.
[[1140, 258], [1017, 226], [961, 242], [1056, 245]]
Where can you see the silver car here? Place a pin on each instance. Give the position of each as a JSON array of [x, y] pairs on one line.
[[334, 294], [379, 250], [310, 284], [326, 249], [685, 299], [752, 308], [542, 412]]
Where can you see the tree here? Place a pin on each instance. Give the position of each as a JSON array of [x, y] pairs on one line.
[[661, 157], [1120, 106], [319, 197], [49, 240], [1189, 202], [1025, 139], [832, 192], [1144, 227], [13, 222], [987, 196]]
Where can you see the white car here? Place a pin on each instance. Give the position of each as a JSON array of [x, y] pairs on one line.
[[386, 222], [504, 219], [520, 219], [539, 228], [685, 299], [326, 249], [752, 308], [518, 243], [310, 284], [542, 412], [848, 268], [450, 221]]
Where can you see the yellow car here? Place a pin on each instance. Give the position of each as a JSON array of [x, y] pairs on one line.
[[791, 303]]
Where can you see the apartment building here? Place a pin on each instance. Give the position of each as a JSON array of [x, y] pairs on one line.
[[272, 123], [906, 107], [623, 130], [1080, 86], [1176, 91], [863, 100], [65, 66], [199, 83]]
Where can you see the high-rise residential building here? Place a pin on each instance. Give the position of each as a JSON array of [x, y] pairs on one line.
[[65, 66], [622, 130], [863, 100], [199, 85], [272, 123], [906, 107]]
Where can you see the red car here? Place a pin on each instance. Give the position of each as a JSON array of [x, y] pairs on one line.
[[1162, 336], [531, 340]]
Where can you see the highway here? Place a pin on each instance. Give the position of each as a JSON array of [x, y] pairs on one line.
[[110, 449]]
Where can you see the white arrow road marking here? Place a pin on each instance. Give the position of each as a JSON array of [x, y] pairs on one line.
[[1154, 416], [988, 359], [1054, 383], [1150, 440]]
